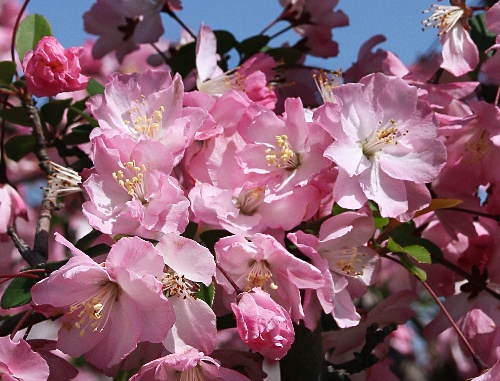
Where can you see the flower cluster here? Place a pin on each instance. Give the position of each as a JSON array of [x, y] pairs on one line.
[[215, 217]]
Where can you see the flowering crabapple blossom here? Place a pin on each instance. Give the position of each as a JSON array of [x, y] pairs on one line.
[[314, 20], [19, 362], [264, 325], [385, 145], [11, 206], [460, 54], [131, 190], [122, 25], [347, 265], [265, 263], [109, 307], [147, 106], [189, 364], [252, 77], [50, 69], [187, 263]]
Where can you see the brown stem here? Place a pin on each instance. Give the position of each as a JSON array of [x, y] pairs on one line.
[[479, 365], [40, 147], [235, 286], [20, 323], [33, 258]]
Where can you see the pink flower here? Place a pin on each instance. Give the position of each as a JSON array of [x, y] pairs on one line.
[[263, 324], [108, 308], [123, 24], [385, 145], [19, 362], [187, 365], [50, 69], [460, 54], [252, 77], [11, 206], [265, 263], [131, 190], [147, 106], [187, 263], [491, 374]]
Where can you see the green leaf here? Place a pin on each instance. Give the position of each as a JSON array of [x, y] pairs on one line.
[[53, 111], [481, 36], [206, 293], [17, 292], [19, 146], [412, 267], [84, 115], [78, 135], [78, 105], [225, 41], [210, 237], [97, 250], [252, 45], [16, 115], [94, 87], [30, 31], [418, 252], [183, 60], [381, 222], [7, 71], [87, 239]]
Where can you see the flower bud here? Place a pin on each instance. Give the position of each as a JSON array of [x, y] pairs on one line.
[[263, 324], [50, 69]]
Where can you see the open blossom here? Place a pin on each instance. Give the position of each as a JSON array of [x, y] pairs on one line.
[[265, 263], [50, 69], [263, 324], [385, 145], [122, 25], [460, 54], [147, 106], [11, 206], [19, 362], [187, 263], [189, 364], [131, 190], [108, 308], [252, 77]]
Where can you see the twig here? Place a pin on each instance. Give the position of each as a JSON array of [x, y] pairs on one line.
[[33, 258], [14, 32], [235, 286]]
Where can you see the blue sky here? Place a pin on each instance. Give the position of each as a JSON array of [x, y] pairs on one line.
[[398, 20]]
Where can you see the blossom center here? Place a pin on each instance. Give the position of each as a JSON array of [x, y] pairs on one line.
[[131, 179], [177, 285], [93, 312], [283, 156], [384, 135], [62, 181], [326, 84], [248, 201], [444, 17], [477, 148], [259, 275], [350, 261], [144, 122], [193, 374]]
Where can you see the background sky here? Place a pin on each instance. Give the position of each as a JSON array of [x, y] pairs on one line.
[[398, 20]]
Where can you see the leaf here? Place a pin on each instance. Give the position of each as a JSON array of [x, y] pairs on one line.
[[16, 115], [211, 237], [439, 203], [183, 61], [87, 239], [225, 41], [481, 36], [7, 71], [17, 292], [78, 135], [30, 31], [97, 250], [419, 252], [53, 111], [84, 115], [252, 45], [19, 146], [78, 105], [412, 267], [206, 293], [94, 87], [288, 56]]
